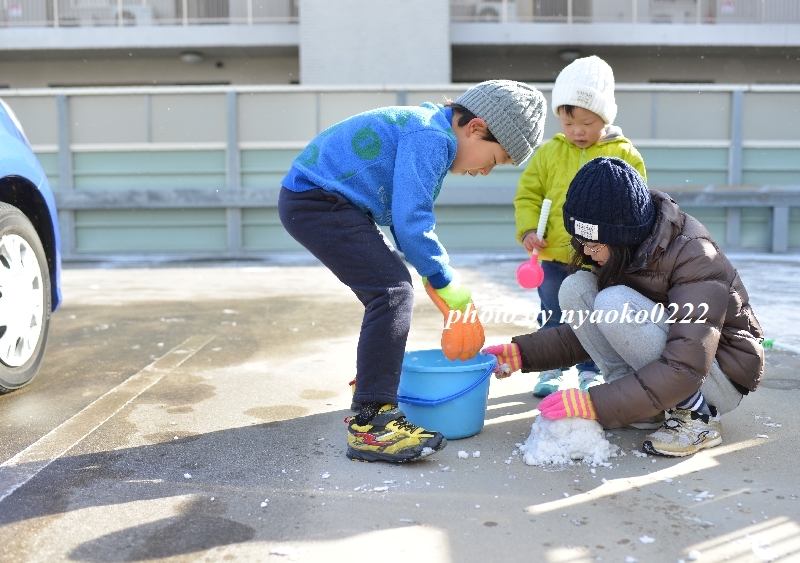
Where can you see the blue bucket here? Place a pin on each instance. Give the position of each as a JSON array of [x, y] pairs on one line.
[[448, 396]]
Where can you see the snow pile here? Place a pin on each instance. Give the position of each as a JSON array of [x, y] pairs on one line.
[[560, 441]]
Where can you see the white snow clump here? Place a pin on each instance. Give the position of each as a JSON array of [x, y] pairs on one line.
[[561, 441]]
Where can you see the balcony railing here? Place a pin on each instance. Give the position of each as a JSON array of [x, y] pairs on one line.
[[66, 13], [63, 13], [627, 11]]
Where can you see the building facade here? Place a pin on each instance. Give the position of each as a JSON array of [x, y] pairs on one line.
[[52, 43]]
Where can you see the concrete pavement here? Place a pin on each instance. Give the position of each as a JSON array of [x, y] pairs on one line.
[[195, 414]]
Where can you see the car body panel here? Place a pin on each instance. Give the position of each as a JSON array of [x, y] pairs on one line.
[[19, 165]]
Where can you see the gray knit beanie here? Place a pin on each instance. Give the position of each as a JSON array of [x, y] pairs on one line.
[[513, 111]]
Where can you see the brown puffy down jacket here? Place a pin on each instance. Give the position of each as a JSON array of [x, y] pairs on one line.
[[678, 263]]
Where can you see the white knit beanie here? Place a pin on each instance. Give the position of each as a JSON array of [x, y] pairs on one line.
[[589, 84]]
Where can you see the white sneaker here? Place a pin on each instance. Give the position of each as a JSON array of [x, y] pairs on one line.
[[684, 433]]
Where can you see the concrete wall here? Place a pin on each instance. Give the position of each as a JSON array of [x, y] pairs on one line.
[[469, 64], [139, 69], [374, 42], [634, 64]]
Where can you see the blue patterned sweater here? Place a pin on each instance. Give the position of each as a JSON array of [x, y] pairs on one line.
[[390, 163]]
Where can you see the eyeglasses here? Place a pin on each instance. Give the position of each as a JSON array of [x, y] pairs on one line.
[[592, 249]]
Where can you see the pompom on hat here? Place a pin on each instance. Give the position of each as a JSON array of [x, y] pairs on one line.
[[609, 203], [589, 84], [513, 111]]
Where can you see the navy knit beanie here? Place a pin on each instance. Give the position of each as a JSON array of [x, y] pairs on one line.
[[609, 203]]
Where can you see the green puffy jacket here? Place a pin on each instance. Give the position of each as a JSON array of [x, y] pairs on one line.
[[548, 175]]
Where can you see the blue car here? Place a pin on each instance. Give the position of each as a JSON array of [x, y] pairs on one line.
[[30, 256]]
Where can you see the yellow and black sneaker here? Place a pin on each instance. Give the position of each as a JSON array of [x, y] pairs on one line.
[[388, 436]]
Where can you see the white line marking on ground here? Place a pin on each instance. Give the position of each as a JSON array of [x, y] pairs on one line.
[[24, 466]]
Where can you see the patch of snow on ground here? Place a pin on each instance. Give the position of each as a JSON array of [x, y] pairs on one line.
[[561, 441]]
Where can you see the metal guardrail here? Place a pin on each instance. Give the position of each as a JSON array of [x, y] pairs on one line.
[[779, 199], [234, 197]]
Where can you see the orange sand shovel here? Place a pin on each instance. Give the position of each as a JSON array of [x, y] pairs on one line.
[[463, 335]]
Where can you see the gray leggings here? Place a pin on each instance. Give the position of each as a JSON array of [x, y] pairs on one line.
[[619, 349]]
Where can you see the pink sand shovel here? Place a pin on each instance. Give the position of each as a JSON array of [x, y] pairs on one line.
[[530, 274]]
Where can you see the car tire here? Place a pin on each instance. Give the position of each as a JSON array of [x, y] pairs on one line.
[[24, 299]]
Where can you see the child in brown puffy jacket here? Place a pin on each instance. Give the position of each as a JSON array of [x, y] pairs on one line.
[[663, 313]]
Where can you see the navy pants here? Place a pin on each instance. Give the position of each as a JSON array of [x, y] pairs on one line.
[[554, 274], [350, 244]]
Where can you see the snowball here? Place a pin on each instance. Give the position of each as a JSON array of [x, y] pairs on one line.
[[561, 441], [462, 454]]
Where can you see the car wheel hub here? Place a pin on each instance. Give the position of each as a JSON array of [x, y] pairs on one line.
[[21, 301]]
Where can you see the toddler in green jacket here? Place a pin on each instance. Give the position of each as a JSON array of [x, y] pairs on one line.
[[583, 101]]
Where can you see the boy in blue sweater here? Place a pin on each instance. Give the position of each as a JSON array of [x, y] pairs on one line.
[[386, 167]]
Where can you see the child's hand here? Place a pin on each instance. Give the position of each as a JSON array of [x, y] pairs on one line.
[[456, 296], [532, 242], [568, 404], [508, 357]]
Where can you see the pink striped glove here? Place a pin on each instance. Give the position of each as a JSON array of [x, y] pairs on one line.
[[508, 357], [568, 404]]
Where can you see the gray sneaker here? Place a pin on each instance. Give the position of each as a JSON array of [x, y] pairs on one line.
[[684, 433]]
